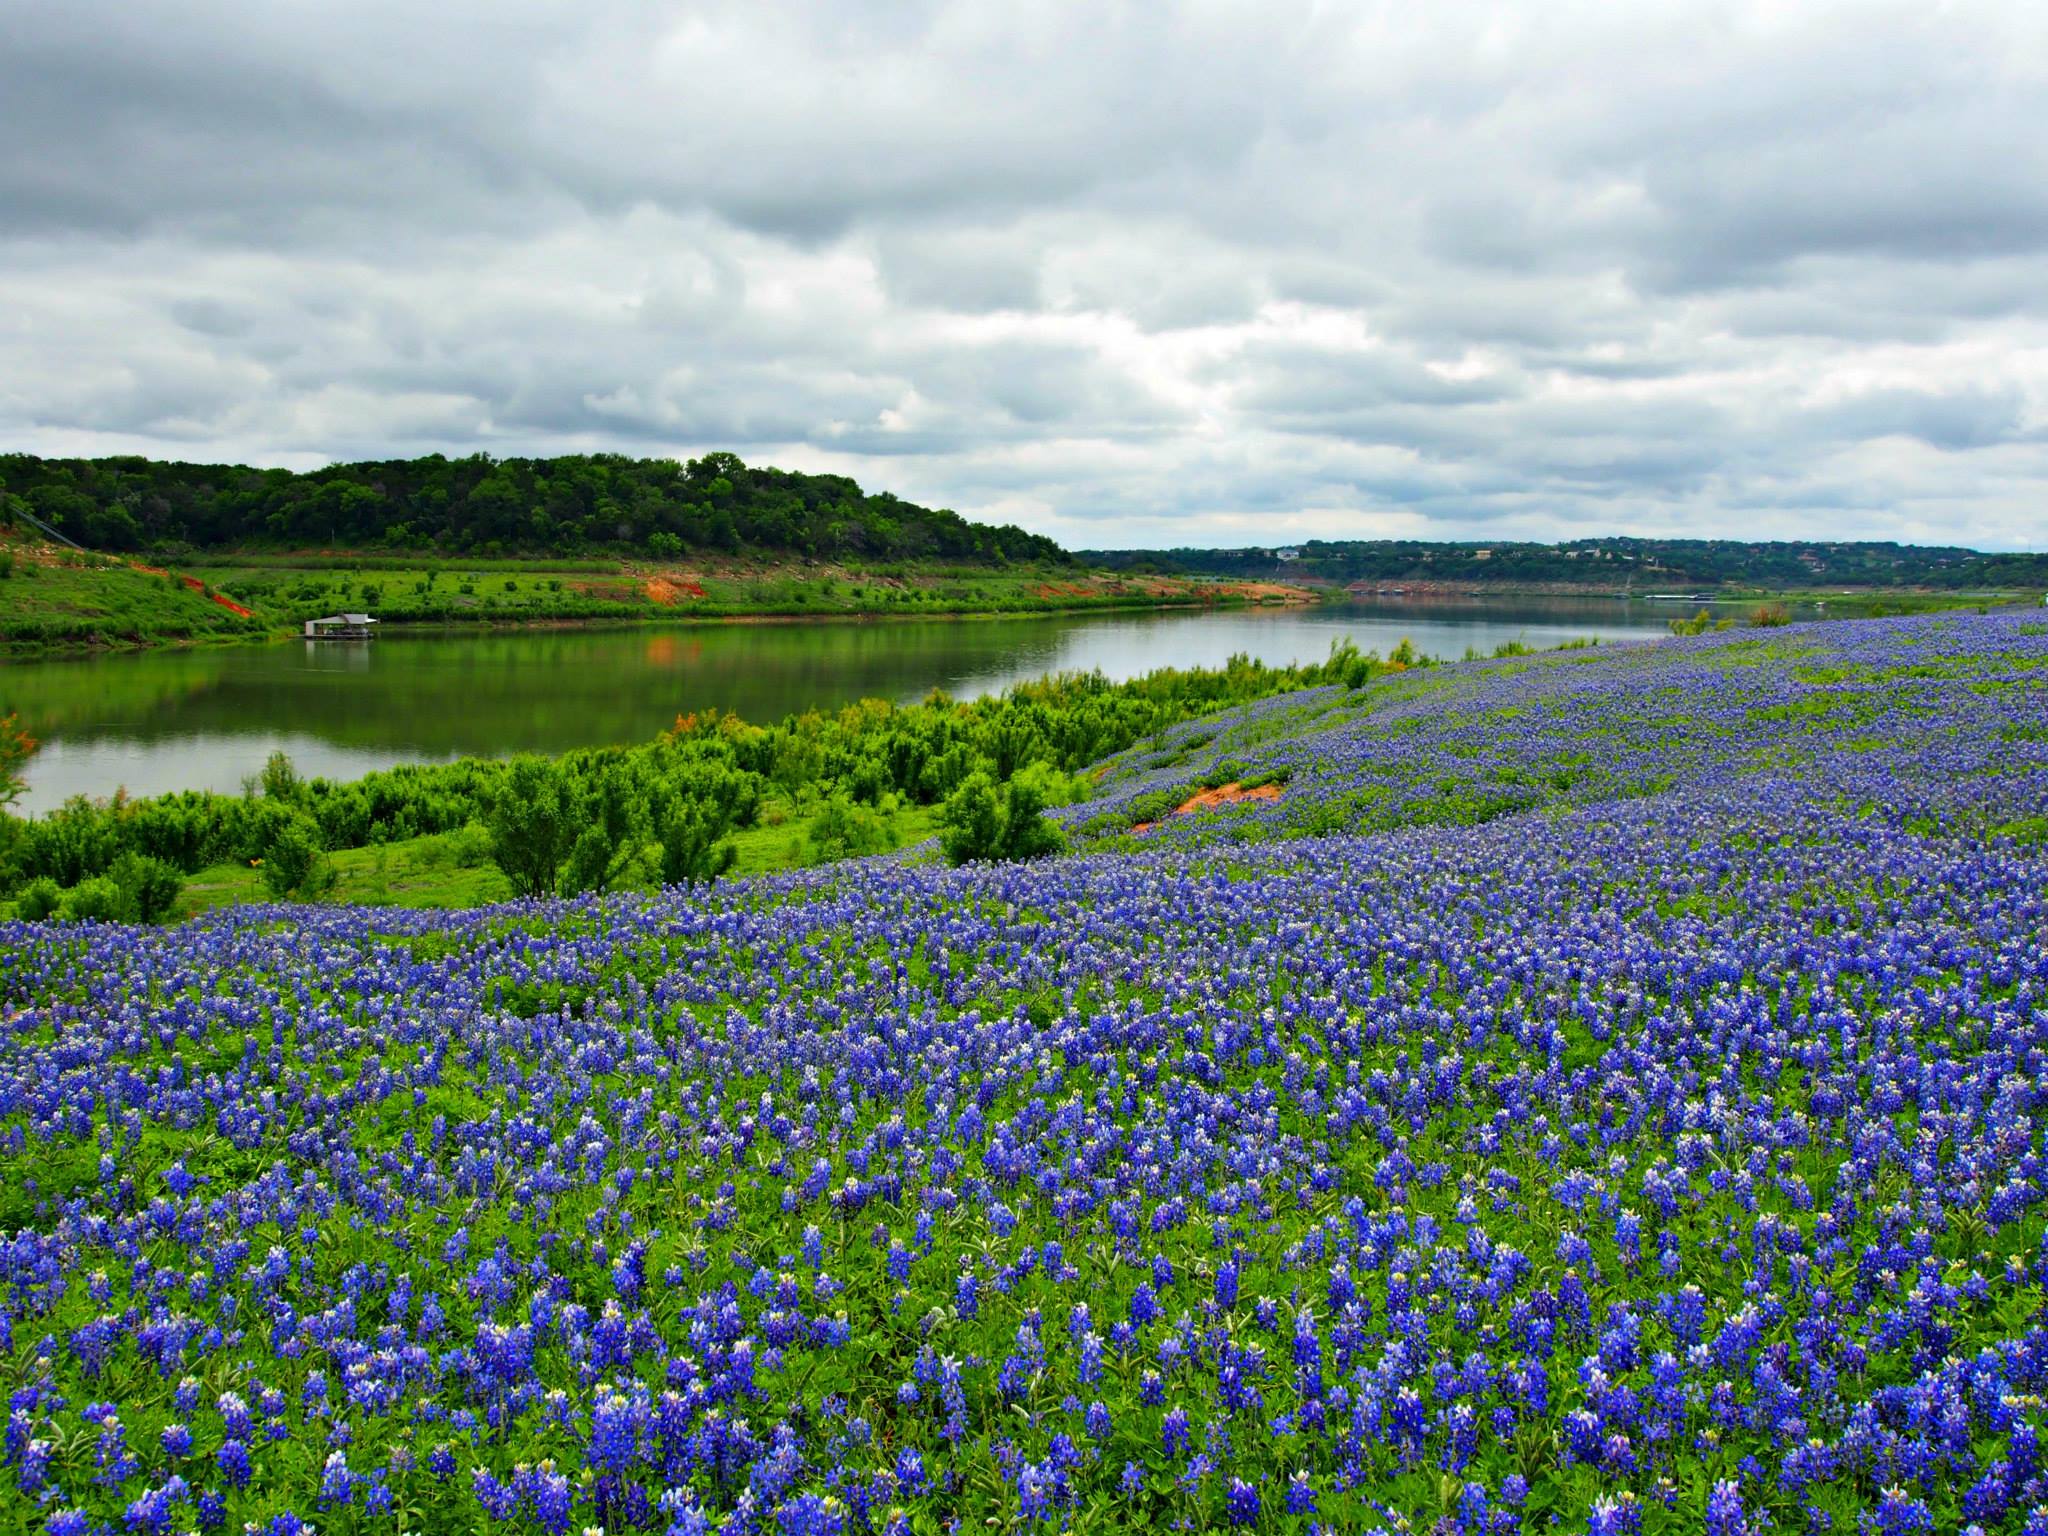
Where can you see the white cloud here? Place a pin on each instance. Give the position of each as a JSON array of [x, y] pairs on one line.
[[1234, 274]]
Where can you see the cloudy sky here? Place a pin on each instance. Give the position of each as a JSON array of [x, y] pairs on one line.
[[1129, 275]]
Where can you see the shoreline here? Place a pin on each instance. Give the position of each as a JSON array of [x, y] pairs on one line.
[[11, 651]]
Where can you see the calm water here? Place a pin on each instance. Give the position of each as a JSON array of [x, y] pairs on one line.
[[204, 719]]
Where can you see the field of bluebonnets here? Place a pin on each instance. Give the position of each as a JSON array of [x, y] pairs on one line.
[[1605, 1092]]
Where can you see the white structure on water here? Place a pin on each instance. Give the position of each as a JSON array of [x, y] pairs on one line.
[[340, 626]]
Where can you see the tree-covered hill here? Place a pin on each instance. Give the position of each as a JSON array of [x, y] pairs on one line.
[[483, 505], [1640, 564]]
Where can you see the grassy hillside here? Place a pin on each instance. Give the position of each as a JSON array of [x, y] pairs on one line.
[[52, 598], [58, 600], [1600, 1092]]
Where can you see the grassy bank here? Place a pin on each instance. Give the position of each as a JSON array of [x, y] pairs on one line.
[[448, 870], [56, 600], [713, 795]]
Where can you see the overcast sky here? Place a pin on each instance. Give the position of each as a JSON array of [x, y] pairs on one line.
[[1128, 275]]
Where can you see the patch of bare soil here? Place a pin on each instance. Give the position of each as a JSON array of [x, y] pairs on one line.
[[1222, 794]]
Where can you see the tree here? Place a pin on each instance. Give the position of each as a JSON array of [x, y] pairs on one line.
[[1026, 832], [149, 887], [42, 897], [692, 832], [971, 821], [984, 820], [280, 777], [16, 746], [845, 829], [533, 825], [294, 863], [614, 821]]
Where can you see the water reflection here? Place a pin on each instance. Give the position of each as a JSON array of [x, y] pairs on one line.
[[205, 719]]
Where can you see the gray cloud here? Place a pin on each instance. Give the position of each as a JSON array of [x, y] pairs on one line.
[[1251, 273]]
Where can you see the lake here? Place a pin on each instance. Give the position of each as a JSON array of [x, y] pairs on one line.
[[203, 719]]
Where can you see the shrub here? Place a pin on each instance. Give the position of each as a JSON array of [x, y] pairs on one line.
[[971, 821], [39, 899], [469, 845], [1769, 616], [690, 830], [1699, 624], [15, 747], [280, 778], [293, 863], [1026, 832], [533, 825], [77, 840], [149, 887], [613, 815], [96, 900], [844, 829], [983, 821]]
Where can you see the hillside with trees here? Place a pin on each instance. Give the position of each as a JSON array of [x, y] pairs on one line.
[[484, 506], [1611, 564]]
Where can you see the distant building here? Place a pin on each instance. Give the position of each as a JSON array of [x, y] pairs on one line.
[[340, 626], [1286, 554]]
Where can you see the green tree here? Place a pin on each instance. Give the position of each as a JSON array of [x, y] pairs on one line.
[[39, 899], [533, 825], [694, 849], [294, 863], [971, 821], [149, 887], [1027, 834], [614, 822], [280, 777], [982, 820], [97, 900], [845, 829], [16, 746]]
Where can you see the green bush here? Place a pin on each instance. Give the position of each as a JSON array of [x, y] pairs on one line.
[[971, 821], [844, 829], [691, 831], [149, 887], [469, 845], [1026, 832], [533, 825], [95, 900], [984, 821], [293, 863], [39, 899], [280, 778], [613, 815]]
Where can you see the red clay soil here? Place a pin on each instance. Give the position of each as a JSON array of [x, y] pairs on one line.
[[226, 602], [666, 589], [1222, 794], [199, 586], [1054, 589]]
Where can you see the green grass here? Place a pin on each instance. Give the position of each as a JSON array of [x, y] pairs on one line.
[[55, 600], [490, 592], [413, 873], [430, 872]]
